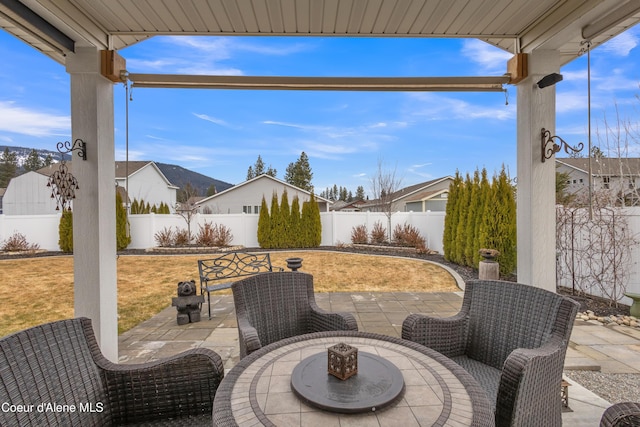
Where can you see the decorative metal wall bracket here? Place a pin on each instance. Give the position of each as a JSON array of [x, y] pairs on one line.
[[63, 184], [550, 147], [78, 145]]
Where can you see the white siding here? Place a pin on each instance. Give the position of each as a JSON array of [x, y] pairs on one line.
[[147, 184], [28, 194], [250, 194]]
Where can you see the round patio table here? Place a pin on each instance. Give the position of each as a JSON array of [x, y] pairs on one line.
[[438, 392]]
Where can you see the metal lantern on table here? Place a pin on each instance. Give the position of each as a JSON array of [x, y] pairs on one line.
[[342, 361]]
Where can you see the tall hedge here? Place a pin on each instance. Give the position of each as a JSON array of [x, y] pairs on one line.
[[287, 227], [264, 225], [294, 225], [65, 232], [285, 221], [65, 228], [451, 218], [123, 238], [480, 214]]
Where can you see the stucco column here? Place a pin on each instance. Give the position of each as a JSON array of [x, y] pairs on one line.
[[536, 180], [94, 217]]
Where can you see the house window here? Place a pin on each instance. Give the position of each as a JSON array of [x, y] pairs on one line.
[[256, 209], [605, 181], [581, 181], [246, 209]]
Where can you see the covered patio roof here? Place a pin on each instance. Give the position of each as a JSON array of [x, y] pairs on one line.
[[57, 27], [543, 35]]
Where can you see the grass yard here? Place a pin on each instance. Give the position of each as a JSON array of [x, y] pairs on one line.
[[39, 290]]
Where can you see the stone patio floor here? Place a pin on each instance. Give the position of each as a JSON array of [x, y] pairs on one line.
[[593, 346]]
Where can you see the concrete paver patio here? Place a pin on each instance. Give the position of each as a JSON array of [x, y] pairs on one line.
[[593, 346]]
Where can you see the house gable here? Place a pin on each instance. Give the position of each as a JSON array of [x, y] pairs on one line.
[[247, 197]]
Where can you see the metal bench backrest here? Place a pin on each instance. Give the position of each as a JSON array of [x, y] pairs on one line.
[[233, 264]]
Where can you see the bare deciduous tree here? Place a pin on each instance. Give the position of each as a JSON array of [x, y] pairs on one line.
[[384, 186]]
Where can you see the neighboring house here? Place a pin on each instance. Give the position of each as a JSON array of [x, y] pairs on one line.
[[619, 177], [146, 182], [423, 197], [28, 194], [342, 206], [247, 197]]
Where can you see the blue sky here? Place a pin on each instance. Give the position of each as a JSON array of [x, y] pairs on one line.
[[220, 133]]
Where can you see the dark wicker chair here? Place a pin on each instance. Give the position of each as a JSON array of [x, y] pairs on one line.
[[278, 305], [513, 339], [624, 414], [60, 363]]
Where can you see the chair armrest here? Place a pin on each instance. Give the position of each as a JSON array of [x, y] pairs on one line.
[[530, 385], [332, 321], [249, 339], [446, 335], [174, 387], [621, 414]]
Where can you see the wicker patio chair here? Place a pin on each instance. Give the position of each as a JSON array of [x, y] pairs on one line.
[[513, 339], [278, 305], [624, 414], [60, 363]]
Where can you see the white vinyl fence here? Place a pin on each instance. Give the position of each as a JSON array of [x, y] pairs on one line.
[[336, 227]]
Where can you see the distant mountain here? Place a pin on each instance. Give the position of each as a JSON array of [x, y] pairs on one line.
[[179, 176], [22, 153]]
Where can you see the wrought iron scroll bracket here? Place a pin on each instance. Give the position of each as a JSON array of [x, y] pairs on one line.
[[78, 145], [551, 144], [62, 182]]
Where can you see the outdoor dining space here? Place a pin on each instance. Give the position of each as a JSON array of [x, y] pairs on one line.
[[436, 391], [276, 353]]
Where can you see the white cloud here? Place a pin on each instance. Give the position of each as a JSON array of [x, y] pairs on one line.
[[440, 107], [622, 44], [26, 121], [489, 58], [219, 122]]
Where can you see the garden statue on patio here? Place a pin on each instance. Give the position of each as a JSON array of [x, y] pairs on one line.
[[187, 303]]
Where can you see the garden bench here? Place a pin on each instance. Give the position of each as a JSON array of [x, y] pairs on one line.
[[230, 265]]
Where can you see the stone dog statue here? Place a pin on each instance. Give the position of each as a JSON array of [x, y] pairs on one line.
[[188, 303]]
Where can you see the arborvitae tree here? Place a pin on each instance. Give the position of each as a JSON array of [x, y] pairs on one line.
[[264, 226], [460, 237], [451, 218], [135, 207], [285, 220], [122, 225], [316, 236], [294, 225], [275, 235], [506, 227], [32, 162], [65, 232], [315, 225], [305, 225], [470, 226], [485, 195]]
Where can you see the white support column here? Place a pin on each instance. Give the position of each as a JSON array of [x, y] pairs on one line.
[[536, 180], [94, 217]]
